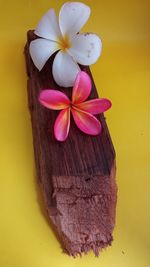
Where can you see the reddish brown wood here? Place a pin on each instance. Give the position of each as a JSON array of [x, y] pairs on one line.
[[77, 176]]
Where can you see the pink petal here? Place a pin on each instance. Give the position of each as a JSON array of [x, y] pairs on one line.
[[86, 122], [62, 125], [95, 106], [54, 99], [82, 87]]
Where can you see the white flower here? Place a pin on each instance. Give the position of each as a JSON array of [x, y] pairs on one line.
[[62, 35]]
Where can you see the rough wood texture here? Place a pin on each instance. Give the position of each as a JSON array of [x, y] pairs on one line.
[[77, 176]]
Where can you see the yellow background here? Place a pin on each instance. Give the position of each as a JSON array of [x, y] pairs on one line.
[[121, 74]]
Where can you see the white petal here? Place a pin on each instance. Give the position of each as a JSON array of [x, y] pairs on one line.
[[48, 26], [65, 69], [86, 48], [41, 50], [72, 17]]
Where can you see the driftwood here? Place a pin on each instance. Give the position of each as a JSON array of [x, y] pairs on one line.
[[77, 177]]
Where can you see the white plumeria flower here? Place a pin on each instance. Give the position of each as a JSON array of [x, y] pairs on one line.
[[63, 35]]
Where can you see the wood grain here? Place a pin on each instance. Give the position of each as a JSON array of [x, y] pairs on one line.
[[77, 177]]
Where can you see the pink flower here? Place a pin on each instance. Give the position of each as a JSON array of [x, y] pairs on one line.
[[82, 111]]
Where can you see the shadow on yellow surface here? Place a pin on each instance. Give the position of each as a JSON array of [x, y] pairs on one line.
[[121, 74]]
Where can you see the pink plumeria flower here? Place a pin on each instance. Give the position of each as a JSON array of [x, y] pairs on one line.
[[62, 35], [82, 111]]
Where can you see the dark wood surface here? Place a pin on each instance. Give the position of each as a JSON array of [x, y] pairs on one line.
[[77, 177]]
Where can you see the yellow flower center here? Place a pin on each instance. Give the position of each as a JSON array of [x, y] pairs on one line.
[[64, 43]]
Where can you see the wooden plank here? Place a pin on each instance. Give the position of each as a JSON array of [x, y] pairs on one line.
[[77, 177]]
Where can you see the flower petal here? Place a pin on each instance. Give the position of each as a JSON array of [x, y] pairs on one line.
[[82, 87], [48, 26], [86, 122], [64, 69], [54, 99], [62, 125], [41, 50], [86, 48], [72, 17], [95, 106]]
